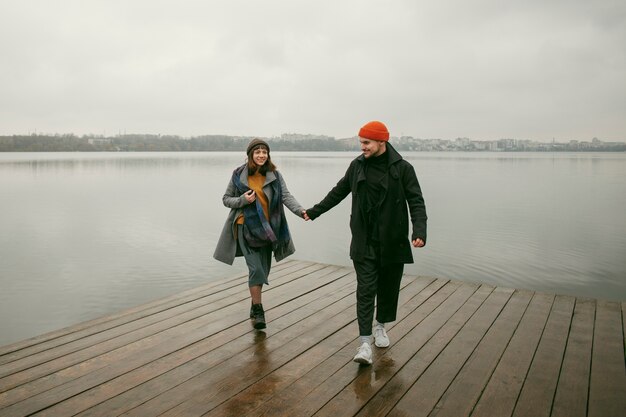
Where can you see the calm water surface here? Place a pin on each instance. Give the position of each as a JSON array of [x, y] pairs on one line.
[[85, 234]]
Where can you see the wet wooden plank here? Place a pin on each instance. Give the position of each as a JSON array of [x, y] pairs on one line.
[[537, 393], [501, 392], [624, 324], [571, 392], [462, 395], [607, 386]]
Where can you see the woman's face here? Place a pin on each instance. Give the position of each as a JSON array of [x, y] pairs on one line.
[[259, 156]]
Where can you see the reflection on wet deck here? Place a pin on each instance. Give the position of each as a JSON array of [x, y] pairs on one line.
[[457, 349]]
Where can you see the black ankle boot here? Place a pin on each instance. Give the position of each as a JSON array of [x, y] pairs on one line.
[[258, 320]]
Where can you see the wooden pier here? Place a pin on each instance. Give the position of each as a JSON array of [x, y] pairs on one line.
[[457, 349]]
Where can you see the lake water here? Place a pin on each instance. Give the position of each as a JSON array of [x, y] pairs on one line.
[[86, 234]]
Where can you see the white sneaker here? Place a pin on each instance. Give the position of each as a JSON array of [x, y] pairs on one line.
[[381, 339], [364, 354]]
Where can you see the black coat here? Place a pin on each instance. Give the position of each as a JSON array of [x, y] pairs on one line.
[[401, 194]]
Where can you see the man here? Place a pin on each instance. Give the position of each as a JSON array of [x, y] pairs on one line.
[[382, 186]]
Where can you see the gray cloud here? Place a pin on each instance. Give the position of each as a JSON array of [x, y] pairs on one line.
[[482, 69]]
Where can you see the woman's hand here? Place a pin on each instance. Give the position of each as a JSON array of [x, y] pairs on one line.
[[418, 243], [250, 196]]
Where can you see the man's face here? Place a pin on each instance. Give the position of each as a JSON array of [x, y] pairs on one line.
[[371, 147]]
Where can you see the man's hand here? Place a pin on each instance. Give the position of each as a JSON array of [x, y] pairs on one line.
[[418, 243], [306, 216]]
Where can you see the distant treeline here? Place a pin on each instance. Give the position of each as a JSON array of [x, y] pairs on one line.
[[217, 143], [158, 143]]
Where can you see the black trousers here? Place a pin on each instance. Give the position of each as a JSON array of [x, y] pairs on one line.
[[376, 284]]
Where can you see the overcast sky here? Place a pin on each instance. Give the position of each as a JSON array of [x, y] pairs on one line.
[[485, 69]]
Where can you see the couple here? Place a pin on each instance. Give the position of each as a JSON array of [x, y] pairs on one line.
[[385, 190]]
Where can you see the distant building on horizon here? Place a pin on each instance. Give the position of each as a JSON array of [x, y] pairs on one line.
[[295, 137]]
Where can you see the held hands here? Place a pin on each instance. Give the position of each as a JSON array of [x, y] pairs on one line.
[[250, 196], [417, 243]]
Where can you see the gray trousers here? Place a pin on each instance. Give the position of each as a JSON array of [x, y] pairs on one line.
[[259, 260], [376, 284]]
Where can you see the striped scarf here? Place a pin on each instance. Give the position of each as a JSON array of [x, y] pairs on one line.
[[257, 230]]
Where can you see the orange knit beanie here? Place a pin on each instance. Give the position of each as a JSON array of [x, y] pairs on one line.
[[374, 130]]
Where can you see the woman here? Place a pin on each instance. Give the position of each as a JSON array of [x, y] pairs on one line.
[[256, 225]]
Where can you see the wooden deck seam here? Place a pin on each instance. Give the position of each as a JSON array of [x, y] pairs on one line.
[[540, 383], [568, 400], [532, 358], [567, 338]]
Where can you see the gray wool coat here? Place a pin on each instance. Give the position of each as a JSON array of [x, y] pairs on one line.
[[226, 249]]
